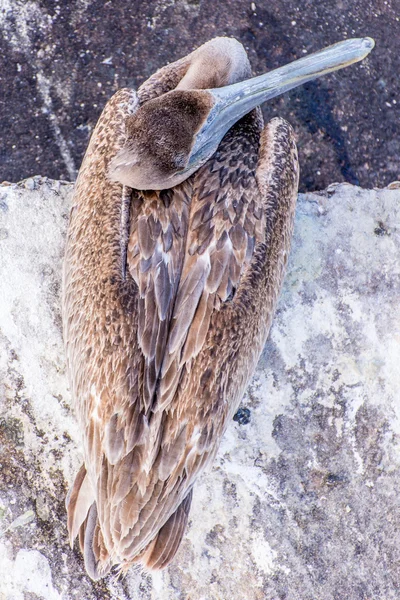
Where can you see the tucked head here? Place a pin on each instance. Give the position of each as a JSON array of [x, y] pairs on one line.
[[171, 136], [160, 137]]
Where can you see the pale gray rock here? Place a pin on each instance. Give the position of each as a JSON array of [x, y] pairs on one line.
[[303, 501]]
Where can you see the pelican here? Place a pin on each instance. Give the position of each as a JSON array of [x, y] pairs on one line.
[[178, 238]]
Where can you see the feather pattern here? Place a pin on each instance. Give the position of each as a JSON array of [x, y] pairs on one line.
[[155, 255], [169, 537], [168, 298], [221, 229]]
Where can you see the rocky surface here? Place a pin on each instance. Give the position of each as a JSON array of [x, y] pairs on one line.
[[303, 498], [60, 61]]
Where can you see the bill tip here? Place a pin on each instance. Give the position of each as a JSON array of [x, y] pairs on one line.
[[368, 43]]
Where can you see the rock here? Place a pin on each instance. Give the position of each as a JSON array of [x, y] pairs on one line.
[[303, 499], [61, 61]]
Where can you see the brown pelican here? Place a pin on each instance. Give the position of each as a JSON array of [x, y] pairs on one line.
[[177, 244]]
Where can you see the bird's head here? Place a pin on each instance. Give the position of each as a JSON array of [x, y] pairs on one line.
[[160, 138], [170, 137]]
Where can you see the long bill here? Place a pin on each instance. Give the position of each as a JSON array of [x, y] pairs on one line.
[[234, 101]]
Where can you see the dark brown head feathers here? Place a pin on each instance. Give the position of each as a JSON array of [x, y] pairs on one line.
[[164, 128], [160, 136]]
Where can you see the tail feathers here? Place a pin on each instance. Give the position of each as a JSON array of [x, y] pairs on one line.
[[163, 548], [82, 520], [78, 502], [95, 555]]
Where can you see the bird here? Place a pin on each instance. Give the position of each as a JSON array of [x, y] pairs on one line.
[[177, 243]]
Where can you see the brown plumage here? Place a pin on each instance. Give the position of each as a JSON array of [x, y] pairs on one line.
[[168, 299]]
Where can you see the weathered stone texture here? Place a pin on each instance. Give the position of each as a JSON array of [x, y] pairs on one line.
[[303, 501]]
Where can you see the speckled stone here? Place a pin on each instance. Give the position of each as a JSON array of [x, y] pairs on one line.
[[303, 500]]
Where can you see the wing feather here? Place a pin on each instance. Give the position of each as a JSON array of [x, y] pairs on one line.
[[79, 500], [222, 227], [154, 259], [169, 537], [216, 236]]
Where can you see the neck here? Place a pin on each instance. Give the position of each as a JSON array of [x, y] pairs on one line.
[[220, 62], [98, 219]]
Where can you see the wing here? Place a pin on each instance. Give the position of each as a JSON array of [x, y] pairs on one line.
[[229, 284], [155, 256], [122, 265], [215, 371], [226, 222]]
